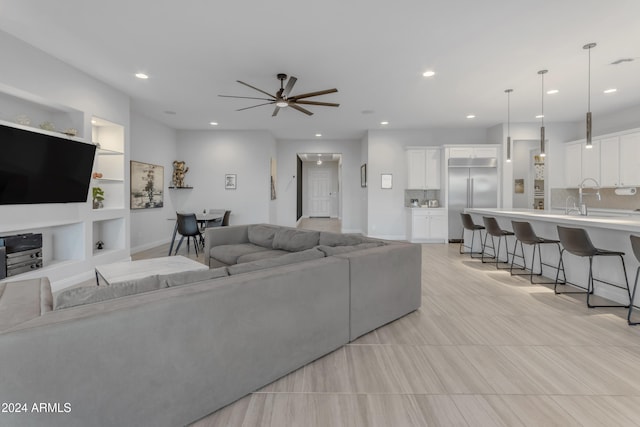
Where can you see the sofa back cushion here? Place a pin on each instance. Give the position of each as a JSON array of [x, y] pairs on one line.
[[262, 234], [334, 250], [293, 240], [337, 239], [24, 300], [186, 277], [89, 294], [291, 258]]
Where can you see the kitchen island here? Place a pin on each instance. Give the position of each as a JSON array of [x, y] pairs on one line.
[[606, 232]]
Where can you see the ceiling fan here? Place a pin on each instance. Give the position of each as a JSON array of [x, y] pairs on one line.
[[282, 99]]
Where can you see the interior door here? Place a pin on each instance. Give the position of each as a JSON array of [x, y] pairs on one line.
[[320, 185]]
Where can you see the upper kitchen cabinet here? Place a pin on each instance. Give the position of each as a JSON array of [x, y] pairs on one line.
[[581, 163], [423, 165], [473, 152], [620, 161]]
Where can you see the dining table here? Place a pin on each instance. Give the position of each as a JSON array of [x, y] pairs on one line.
[[202, 218]]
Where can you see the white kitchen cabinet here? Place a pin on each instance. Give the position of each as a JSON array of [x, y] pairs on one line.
[[630, 159], [610, 162], [473, 152], [572, 165], [423, 166], [427, 225], [591, 162]]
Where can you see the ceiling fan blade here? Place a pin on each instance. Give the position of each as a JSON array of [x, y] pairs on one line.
[[326, 104], [245, 97], [289, 86], [275, 112], [259, 105], [255, 88], [302, 110], [310, 94]]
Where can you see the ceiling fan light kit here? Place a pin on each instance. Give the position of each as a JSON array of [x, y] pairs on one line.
[[282, 99]]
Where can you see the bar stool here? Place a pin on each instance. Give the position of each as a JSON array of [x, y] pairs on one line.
[[635, 245], [494, 230], [526, 236], [576, 241], [468, 224]]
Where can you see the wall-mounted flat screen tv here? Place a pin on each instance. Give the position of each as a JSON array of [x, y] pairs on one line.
[[39, 168]]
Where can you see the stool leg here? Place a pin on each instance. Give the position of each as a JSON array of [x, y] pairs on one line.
[[461, 242], [560, 265], [633, 297], [592, 280]]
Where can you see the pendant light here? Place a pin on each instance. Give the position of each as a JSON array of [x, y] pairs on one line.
[[542, 152], [508, 92], [589, 144]]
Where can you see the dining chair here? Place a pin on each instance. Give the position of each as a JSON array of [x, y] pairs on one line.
[[188, 227]]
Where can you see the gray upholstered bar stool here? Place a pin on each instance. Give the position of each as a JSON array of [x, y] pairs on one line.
[[526, 236], [494, 230], [576, 241], [635, 246], [468, 224]]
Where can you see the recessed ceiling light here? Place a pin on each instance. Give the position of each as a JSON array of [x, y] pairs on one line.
[[429, 73], [552, 91], [213, 123], [612, 90], [318, 135], [384, 123], [93, 122], [471, 116], [539, 116], [142, 76]]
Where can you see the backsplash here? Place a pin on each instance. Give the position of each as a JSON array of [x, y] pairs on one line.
[[609, 200], [422, 196]]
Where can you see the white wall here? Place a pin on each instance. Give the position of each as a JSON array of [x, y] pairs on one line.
[[386, 154], [155, 143], [212, 154], [363, 192], [350, 190]]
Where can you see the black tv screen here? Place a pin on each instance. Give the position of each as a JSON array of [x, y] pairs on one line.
[[39, 168]]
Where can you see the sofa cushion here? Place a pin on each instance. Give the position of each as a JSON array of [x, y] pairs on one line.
[[334, 250], [23, 300], [229, 254], [293, 240], [262, 234], [89, 294], [290, 258], [186, 277], [337, 239], [261, 255]]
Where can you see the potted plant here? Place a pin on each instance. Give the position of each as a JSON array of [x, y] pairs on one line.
[[98, 197]]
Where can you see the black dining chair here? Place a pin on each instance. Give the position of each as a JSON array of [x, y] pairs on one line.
[[220, 222], [188, 227]]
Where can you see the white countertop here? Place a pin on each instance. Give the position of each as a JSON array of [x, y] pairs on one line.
[[630, 223]]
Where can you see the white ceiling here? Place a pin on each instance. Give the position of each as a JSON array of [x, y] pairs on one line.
[[373, 51]]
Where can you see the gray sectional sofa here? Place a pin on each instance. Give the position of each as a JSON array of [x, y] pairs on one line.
[[172, 349]]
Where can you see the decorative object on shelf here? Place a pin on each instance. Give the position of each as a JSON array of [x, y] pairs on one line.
[[542, 152], [363, 175], [47, 126], [179, 171], [386, 181], [99, 245], [98, 197], [96, 175], [147, 185], [230, 182], [508, 92], [23, 119], [71, 132], [589, 144], [273, 178]]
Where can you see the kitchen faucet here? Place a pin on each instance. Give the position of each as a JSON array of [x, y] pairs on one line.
[[582, 206], [573, 209]]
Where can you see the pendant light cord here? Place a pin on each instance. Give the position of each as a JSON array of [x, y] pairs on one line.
[[589, 84], [542, 74]]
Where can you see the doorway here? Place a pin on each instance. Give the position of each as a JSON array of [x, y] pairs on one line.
[[319, 194], [529, 175]]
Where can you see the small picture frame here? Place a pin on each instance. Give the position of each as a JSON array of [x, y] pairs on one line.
[[230, 181], [363, 175], [386, 181]]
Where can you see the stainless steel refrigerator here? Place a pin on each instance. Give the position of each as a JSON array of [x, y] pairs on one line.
[[473, 183]]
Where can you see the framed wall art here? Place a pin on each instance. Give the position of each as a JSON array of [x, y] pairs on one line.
[[147, 185], [230, 181], [386, 181]]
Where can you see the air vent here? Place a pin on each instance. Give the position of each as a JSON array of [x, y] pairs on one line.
[[620, 61]]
